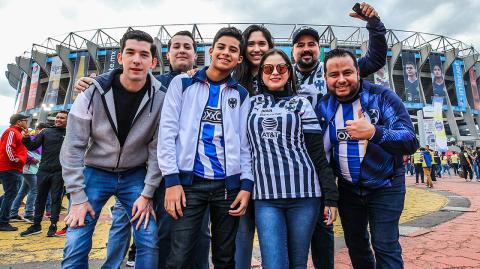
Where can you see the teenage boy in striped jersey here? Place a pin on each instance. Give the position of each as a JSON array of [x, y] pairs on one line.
[[204, 155], [367, 130]]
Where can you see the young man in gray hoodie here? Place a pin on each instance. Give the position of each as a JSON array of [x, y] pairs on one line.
[[110, 149]]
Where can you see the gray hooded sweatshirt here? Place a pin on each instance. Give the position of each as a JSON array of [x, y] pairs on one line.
[[91, 138]]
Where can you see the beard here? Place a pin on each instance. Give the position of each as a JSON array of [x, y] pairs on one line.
[[307, 65], [354, 89]]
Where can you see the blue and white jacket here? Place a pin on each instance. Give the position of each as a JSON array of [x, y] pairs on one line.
[[184, 104], [394, 136]]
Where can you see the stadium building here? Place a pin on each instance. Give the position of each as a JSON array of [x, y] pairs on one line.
[[435, 76]]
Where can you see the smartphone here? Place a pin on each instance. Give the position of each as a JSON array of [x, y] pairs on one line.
[[358, 10]]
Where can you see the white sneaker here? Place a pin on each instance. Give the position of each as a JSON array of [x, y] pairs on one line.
[[130, 263]]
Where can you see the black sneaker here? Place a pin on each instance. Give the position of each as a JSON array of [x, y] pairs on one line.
[[28, 219], [7, 228], [16, 218], [52, 230], [34, 229]]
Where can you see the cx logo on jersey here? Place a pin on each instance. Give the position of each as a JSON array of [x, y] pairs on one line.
[[212, 115], [342, 135], [232, 102]]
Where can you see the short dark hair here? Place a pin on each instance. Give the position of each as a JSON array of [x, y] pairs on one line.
[[292, 84], [230, 31], [184, 33], [336, 53], [63, 112], [41, 125], [139, 36], [410, 62]]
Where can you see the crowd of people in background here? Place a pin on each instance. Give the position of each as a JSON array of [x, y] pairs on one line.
[[431, 164]]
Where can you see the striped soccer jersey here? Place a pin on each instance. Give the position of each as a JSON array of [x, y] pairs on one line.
[[348, 153], [282, 167], [210, 156], [312, 85]]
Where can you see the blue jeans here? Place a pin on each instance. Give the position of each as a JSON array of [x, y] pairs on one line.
[[29, 185], [381, 209], [476, 170], [244, 238], [10, 181], [323, 243], [100, 185], [202, 249], [285, 228], [118, 237]]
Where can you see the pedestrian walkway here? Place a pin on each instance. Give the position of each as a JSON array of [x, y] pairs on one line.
[[453, 244]]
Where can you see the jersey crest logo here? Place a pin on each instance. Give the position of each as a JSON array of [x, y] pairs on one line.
[[291, 105], [232, 102], [270, 128], [374, 116]]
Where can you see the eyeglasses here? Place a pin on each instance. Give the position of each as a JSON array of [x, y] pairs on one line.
[[281, 68]]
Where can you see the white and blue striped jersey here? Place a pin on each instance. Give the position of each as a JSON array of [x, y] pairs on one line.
[[312, 85], [348, 153], [210, 156], [282, 167]]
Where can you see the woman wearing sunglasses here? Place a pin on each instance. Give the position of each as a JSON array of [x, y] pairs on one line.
[[288, 160], [258, 41]]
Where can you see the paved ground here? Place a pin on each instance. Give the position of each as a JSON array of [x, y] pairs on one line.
[[427, 242], [452, 244]]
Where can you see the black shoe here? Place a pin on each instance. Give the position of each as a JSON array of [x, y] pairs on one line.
[[52, 230], [16, 218], [28, 219], [7, 228], [34, 229]]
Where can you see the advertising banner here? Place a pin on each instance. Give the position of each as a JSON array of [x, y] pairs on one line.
[[438, 81], [429, 129], [81, 70], [32, 93], [459, 86], [382, 77], [23, 89], [440, 135], [474, 96], [411, 80], [111, 60], [51, 95]]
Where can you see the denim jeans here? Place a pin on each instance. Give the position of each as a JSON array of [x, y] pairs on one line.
[[28, 186], [10, 183], [202, 250], [185, 232], [244, 238], [380, 209], [323, 243], [118, 237], [476, 169], [285, 228], [100, 185], [419, 172], [446, 167]]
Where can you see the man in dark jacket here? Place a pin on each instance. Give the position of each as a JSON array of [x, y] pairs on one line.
[[49, 175], [466, 164], [367, 130]]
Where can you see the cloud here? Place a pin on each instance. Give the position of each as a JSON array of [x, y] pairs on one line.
[[5, 88]]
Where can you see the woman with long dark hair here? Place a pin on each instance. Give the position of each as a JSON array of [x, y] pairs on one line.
[[289, 166]]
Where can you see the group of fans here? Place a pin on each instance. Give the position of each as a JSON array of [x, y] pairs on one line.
[[432, 164], [251, 142]]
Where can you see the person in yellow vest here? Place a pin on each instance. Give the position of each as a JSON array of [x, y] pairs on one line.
[[454, 162], [417, 162], [445, 166]]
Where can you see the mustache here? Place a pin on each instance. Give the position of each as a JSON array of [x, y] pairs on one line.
[[307, 53]]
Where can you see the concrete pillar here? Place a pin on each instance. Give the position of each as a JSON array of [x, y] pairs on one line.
[[158, 44], [64, 52], [41, 59], [92, 51], [450, 57], [396, 50], [334, 43]]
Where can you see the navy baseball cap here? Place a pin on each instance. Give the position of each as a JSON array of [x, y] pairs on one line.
[[304, 30], [16, 117]]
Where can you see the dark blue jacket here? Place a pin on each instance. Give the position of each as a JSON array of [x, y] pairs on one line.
[[394, 136], [166, 78], [427, 158]]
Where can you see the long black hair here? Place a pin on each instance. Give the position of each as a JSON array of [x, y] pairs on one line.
[[292, 85], [243, 71]]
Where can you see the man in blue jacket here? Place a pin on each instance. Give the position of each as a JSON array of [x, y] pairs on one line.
[[310, 74], [367, 130]]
